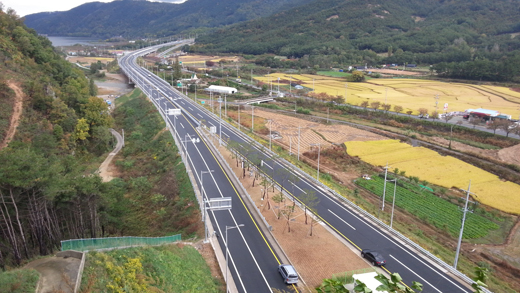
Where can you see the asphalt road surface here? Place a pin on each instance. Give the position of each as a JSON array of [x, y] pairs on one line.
[[254, 263]]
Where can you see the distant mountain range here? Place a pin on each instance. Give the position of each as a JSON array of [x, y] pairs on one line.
[[429, 31], [130, 19]]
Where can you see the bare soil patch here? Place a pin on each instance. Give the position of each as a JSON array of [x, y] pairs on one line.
[[197, 58], [312, 132], [17, 113], [315, 257], [510, 155], [83, 59]]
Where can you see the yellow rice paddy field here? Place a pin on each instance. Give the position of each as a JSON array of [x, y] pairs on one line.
[[440, 170], [411, 94]]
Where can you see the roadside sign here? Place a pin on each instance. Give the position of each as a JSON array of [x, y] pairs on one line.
[[174, 111], [445, 106], [222, 203]]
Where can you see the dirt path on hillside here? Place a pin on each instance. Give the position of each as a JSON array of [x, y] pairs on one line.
[[17, 113]]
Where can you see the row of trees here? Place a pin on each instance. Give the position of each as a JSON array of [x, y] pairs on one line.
[[506, 69], [249, 158]]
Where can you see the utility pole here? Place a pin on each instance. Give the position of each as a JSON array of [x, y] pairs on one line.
[[384, 189], [393, 202], [436, 102], [225, 105], [238, 117], [319, 151], [252, 118], [346, 86], [290, 145], [327, 115], [465, 210]]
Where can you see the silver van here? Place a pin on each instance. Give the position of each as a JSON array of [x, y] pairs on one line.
[[288, 273]]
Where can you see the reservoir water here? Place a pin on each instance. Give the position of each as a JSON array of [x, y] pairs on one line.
[[69, 41]]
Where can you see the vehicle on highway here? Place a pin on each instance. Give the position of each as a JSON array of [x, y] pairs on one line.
[[374, 257], [288, 273], [425, 116]]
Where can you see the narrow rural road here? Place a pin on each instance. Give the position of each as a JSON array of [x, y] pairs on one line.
[[103, 171]]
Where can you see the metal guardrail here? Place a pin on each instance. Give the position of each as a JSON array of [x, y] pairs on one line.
[[115, 242], [339, 197]]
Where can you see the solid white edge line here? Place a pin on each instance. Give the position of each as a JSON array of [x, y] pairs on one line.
[[415, 273]]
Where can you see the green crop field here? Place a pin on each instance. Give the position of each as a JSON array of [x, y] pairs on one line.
[[430, 208], [168, 268], [333, 73]]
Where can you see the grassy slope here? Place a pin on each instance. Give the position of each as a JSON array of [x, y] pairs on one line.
[[157, 197], [19, 281], [168, 268]]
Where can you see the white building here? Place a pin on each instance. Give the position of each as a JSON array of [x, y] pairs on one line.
[[221, 89], [369, 280]]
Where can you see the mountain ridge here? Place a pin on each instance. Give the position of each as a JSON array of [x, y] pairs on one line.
[[424, 28], [143, 18]]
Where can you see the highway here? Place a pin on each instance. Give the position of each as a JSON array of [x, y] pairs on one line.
[[252, 260], [348, 222]]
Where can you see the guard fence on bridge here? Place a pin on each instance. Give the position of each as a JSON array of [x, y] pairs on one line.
[[115, 242]]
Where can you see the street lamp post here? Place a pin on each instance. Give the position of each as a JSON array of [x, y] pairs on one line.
[[319, 151], [270, 135], [220, 120], [204, 202], [227, 252], [384, 188]]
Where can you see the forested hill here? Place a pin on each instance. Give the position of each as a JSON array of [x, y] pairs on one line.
[[413, 31], [129, 18], [61, 124]]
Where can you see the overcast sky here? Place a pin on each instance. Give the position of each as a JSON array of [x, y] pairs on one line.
[[24, 7]]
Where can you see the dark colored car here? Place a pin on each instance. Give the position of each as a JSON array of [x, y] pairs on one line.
[[374, 257]]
